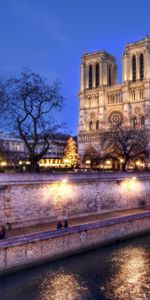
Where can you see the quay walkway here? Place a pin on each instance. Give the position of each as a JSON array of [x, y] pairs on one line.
[[32, 245], [51, 226]]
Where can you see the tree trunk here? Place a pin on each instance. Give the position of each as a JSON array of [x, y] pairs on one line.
[[124, 165], [34, 167]]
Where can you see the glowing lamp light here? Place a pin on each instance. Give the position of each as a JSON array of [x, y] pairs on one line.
[[65, 180], [3, 163], [66, 161], [108, 162], [88, 162], [133, 178]]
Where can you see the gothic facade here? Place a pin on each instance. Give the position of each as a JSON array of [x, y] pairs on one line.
[[103, 100]]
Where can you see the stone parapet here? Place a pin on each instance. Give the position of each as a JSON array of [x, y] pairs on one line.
[[74, 176]]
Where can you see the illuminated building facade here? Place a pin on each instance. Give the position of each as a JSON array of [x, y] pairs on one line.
[[103, 101], [55, 154], [13, 152]]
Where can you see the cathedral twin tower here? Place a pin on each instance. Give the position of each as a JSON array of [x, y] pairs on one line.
[[103, 101]]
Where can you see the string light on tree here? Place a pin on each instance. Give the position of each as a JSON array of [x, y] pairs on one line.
[[71, 157]]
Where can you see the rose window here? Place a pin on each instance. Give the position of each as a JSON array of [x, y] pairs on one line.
[[116, 118]]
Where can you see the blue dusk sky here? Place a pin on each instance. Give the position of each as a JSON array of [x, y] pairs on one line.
[[49, 37]]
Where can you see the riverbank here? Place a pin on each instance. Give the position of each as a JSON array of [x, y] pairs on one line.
[[22, 251]]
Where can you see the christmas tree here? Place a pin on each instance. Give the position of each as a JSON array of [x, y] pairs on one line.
[[71, 157]]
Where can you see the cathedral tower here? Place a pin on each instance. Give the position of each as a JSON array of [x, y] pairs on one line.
[[136, 61], [103, 101], [98, 69]]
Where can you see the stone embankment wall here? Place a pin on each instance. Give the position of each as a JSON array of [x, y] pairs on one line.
[[33, 199], [24, 251]]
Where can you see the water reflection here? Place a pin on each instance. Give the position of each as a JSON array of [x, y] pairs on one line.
[[118, 272], [132, 277], [62, 286]]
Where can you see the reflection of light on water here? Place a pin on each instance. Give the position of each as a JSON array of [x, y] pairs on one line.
[[131, 279], [62, 286]]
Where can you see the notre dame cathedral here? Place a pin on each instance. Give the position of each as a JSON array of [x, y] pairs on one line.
[[104, 101]]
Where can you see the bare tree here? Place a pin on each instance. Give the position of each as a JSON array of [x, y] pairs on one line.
[[3, 96], [32, 104], [92, 155], [126, 143]]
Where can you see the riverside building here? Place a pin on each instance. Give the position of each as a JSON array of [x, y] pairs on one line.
[[13, 152]]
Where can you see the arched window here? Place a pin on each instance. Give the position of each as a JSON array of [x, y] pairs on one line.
[[141, 66], [90, 125], [141, 94], [133, 68], [90, 77], [97, 124], [134, 121], [109, 75], [142, 120], [133, 95], [97, 75]]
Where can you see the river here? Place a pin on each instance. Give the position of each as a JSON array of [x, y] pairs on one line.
[[117, 272]]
